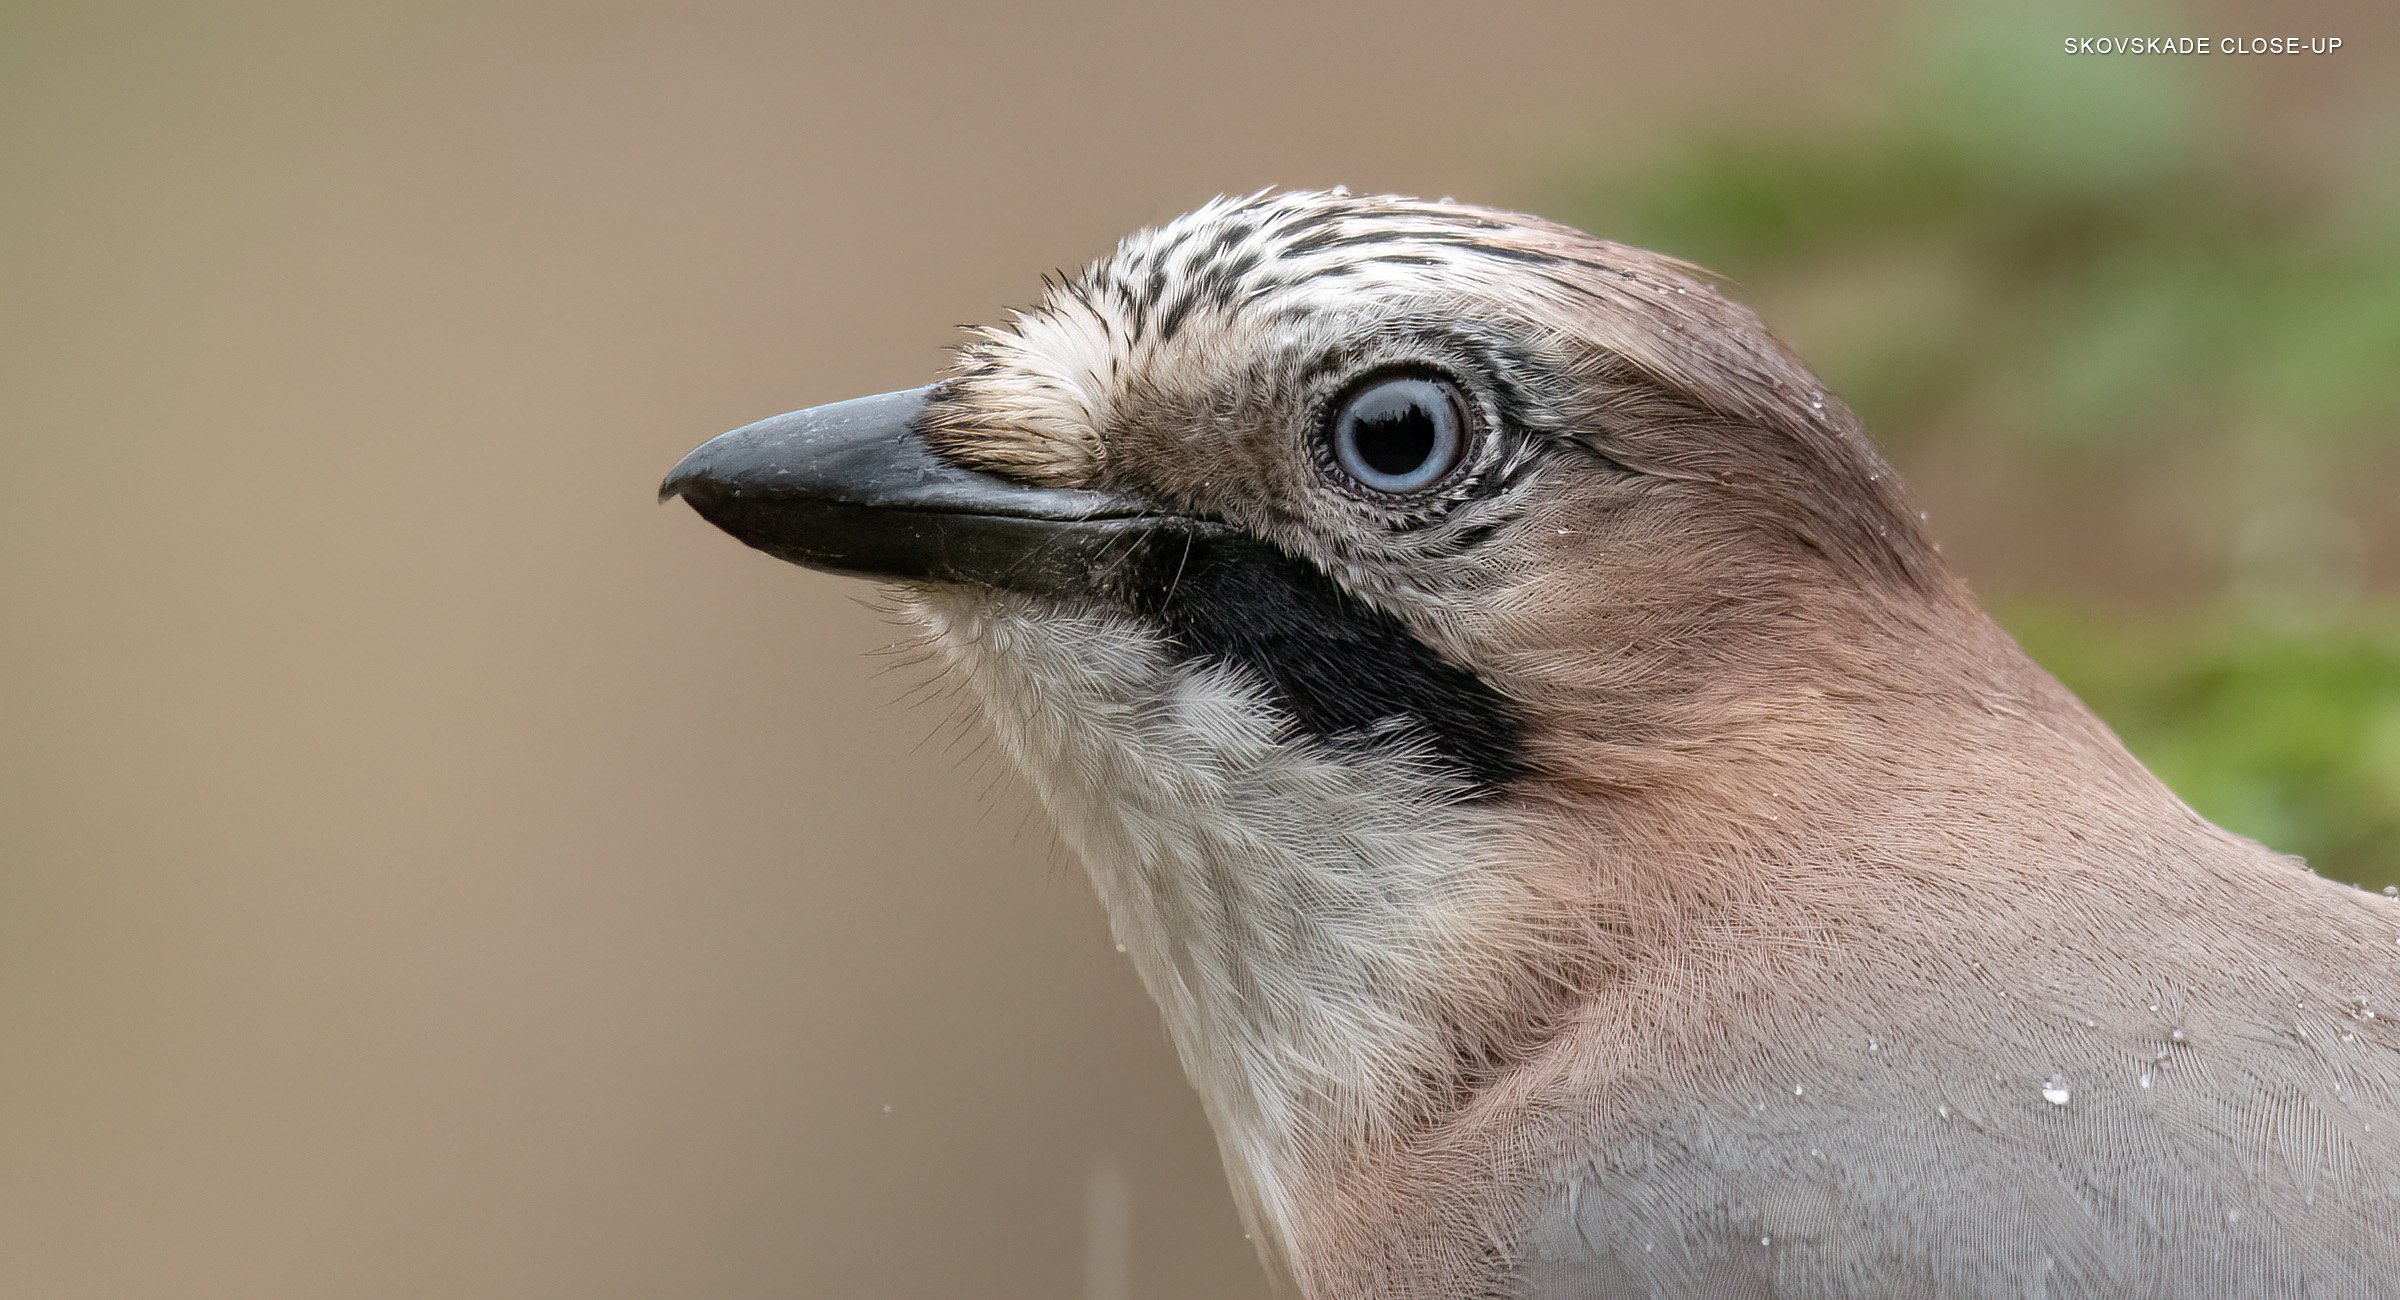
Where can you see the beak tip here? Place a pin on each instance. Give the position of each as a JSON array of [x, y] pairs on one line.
[[690, 472]]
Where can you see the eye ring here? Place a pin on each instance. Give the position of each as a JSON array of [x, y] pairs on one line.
[[1397, 433]]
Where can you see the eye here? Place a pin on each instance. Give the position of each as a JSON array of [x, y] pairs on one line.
[[1398, 434]]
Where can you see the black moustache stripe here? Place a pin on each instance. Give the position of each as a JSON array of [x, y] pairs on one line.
[[1348, 675]]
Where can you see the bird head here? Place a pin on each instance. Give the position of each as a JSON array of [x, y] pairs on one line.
[[1435, 475]]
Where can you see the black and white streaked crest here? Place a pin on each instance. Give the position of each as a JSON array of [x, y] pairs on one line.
[[1309, 283], [1292, 251]]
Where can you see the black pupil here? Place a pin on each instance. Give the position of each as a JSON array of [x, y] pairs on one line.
[[1394, 432]]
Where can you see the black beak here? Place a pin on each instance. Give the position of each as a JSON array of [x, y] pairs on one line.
[[853, 488]]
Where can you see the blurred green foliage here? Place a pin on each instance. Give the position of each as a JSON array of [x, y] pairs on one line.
[[2066, 248], [2069, 257]]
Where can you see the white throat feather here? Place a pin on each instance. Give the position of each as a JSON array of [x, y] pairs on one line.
[[1303, 916]]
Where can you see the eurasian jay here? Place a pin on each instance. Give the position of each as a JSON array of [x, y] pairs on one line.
[[1584, 841]]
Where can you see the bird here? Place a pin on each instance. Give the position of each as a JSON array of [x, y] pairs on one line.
[[1584, 840]]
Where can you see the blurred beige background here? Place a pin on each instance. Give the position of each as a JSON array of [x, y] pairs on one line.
[[431, 869]]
